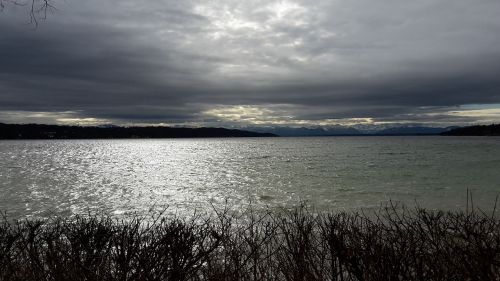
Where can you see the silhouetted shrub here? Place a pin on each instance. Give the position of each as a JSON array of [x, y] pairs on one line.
[[390, 244]]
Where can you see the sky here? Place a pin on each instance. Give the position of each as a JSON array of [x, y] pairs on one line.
[[230, 63]]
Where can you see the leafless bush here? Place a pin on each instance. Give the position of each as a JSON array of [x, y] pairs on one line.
[[394, 243]]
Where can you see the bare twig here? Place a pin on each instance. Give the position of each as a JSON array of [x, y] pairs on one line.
[[37, 9]]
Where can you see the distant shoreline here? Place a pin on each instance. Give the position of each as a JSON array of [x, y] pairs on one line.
[[58, 132], [480, 130], [66, 132]]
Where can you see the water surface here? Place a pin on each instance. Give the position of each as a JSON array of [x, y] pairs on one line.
[[137, 176]]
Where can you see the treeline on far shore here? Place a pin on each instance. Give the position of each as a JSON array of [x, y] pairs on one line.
[[479, 130], [391, 244], [38, 131]]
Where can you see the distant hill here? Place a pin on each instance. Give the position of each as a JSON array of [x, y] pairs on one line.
[[36, 131], [480, 130]]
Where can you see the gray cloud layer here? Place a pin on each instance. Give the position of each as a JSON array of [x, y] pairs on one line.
[[299, 62]]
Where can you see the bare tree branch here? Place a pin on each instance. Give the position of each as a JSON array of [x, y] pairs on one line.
[[37, 9]]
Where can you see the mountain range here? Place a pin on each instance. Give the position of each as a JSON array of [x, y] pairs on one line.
[[350, 131]]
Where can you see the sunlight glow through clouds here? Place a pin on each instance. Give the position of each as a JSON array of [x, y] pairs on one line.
[[284, 115], [283, 10], [242, 30], [492, 114], [82, 121], [258, 115], [62, 118]]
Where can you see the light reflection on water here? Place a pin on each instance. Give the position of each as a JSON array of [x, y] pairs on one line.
[[138, 176]]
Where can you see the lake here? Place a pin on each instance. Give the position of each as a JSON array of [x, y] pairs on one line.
[[123, 177]]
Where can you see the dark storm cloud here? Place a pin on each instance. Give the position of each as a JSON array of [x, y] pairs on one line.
[[99, 72], [174, 61]]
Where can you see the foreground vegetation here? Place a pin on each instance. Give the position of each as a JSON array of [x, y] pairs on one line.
[[391, 244]]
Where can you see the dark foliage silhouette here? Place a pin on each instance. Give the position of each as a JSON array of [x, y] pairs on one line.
[[35, 131], [482, 130], [391, 244]]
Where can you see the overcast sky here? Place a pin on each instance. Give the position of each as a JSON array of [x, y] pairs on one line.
[[240, 63]]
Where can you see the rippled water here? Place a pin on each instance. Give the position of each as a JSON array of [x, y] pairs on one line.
[[136, 176]]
